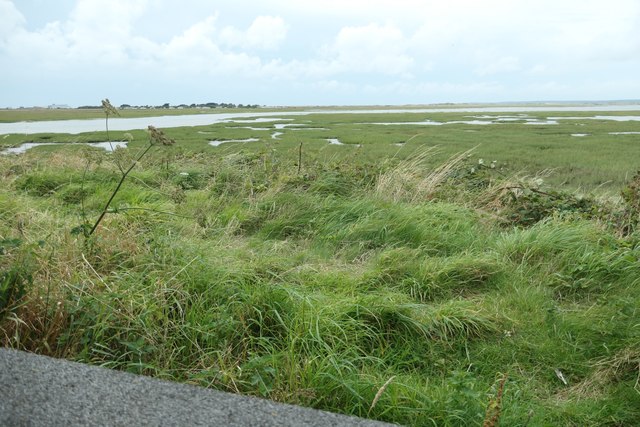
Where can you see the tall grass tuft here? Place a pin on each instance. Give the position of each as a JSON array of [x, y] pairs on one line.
[[411, 180]]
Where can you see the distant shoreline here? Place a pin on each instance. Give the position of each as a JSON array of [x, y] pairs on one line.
[[181, 107], [73, 125]]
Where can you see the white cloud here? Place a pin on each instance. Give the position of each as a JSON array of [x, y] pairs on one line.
[[372, 48], [102, 29], [12, 20], [197, 38], [102, 33], [266, 32], [97, 31], [601, 31], [346, 48], [112, 19], [198, 51]]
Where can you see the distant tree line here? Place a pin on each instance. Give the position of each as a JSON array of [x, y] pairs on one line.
[[180, 106]]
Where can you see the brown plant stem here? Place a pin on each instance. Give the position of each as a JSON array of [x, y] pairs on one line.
[[113, 195], [494, 408]]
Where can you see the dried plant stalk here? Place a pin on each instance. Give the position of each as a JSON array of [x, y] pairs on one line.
[[379, 393]]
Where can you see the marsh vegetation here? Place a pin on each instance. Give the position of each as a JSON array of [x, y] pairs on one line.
[[474, 272]]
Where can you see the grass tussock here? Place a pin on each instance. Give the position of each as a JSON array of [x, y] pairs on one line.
[[413, 180]]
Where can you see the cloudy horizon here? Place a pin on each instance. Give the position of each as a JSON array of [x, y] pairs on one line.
[[284, 52]]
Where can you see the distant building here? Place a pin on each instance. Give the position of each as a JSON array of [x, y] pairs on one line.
[[57, 106]]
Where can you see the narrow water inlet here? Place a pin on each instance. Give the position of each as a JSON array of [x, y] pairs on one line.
[[336, 141], [217, 143], [106, 145]]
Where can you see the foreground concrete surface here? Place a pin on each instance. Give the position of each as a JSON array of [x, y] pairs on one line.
[[42, 391]]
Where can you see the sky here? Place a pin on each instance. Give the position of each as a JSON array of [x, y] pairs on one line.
[[311, 52]]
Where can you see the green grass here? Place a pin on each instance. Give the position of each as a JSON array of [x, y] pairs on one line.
[[224, 267], [599, 163]]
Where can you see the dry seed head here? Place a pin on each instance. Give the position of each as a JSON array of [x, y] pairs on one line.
[[157, 136], [379, 393], [108, 108]]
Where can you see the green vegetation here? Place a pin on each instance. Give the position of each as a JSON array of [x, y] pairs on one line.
[[400, 283], [601, 162]]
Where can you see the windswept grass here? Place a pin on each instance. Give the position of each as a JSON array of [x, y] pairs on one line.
[[388, 290]]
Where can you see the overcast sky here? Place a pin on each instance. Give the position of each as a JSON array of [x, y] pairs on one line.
[[317, 52]]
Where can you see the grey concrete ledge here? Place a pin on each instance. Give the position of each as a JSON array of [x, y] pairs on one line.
[[42, 391]]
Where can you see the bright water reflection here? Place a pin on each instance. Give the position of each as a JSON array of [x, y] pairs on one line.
[[109, 146]]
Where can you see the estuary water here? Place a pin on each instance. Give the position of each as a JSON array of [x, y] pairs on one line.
[[22, 148], [121, 124]]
